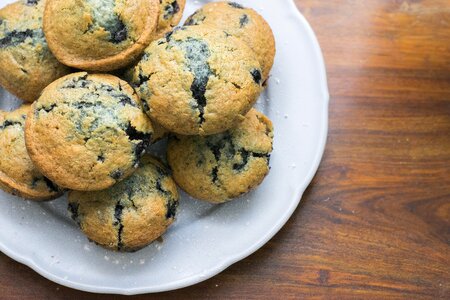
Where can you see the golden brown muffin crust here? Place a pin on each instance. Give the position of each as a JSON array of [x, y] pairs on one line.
[[220, 167], [243, 23], [87, 132], [99, 35], [170, 14], [197, 81], [18, 175], [26, 64], [131, 214]]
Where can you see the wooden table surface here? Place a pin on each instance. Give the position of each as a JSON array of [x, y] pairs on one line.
[[375, 222]]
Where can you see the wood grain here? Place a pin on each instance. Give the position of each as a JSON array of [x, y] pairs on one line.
[[375, 223]]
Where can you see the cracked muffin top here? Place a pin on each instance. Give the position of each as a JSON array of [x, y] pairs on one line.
[[197, 81], [27, 65], [243, 23], [18, 175], [131, 214], [99, 35], [87, 132], [220, 167], [170, 14]]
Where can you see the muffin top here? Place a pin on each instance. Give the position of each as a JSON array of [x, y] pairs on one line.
[[132, 213], [99, 35], [87, 132], [197, 80], [170, 14], [220, 167], [243, 23], [27, 65], [18, 175]]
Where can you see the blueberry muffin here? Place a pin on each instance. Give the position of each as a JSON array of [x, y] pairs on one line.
[[18, 175], [87, 132], [26, 64], [220, 167], [197, 81], [131, 214], [170, 13], [243, 23], [99, 35]]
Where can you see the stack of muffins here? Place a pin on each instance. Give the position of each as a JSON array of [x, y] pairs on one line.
[[87, 132]]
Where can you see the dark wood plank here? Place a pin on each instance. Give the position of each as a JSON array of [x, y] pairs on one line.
[[375, 223]]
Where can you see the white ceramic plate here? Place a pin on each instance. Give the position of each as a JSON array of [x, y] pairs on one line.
[[205, 239]]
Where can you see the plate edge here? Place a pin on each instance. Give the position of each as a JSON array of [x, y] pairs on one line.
[[194, 279]]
